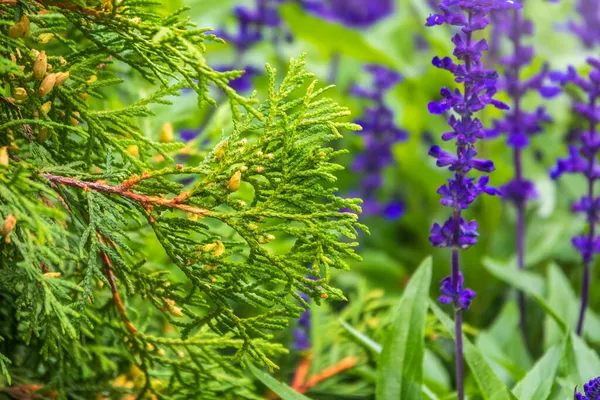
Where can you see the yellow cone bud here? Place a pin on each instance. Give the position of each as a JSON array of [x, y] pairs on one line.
[[133, 150], [43, 134], [20, 93], [40, 66], [47, 84], [45, 37], [4, 156], [9, 224], [209, 247], [49, 275], [45, 108], [61, 77], [235, 181], [219, 249], [166, 133]]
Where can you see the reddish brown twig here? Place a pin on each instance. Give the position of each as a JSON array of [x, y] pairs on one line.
[[123, 190], [301, 372], [344, 365], [115, 293], [69, 6]]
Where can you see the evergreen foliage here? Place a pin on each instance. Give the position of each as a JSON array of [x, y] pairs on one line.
[[84, 311]]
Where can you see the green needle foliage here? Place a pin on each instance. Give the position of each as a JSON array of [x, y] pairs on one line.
[[84, 311]]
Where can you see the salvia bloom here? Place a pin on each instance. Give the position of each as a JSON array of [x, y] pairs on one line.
[[352, 13], [380, 133], [479, 90], [591, 391], [582, 159]]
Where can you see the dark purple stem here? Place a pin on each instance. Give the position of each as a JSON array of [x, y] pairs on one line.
[[517, 155], [458, 321], [587, 261]]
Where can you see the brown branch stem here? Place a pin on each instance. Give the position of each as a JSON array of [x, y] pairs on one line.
[[123, 190], [115, 293]]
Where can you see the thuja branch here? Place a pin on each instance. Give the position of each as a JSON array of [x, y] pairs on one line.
[[115, 292], [123, 190]]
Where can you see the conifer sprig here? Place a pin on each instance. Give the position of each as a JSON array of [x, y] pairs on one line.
[[81, 190]]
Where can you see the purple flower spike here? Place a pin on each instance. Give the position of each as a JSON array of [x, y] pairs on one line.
[[585, 146], [591, 390], [379, 133], [478, 88]]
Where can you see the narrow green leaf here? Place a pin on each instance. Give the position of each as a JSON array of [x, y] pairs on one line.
[[530, 283], [491, 387], [280, 389], [400, 367], [537, 384], [361, 338]]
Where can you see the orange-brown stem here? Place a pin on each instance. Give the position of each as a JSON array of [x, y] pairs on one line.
[[123, 190], [115, 293]]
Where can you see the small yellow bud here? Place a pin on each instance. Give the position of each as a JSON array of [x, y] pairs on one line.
[[150, 347], [180, 354], [9, 224], [209, 247], [45, 108], [4, 156], [243, 168], [262, 240], [270, 237], [242, 203], [235, 181], [259, 154], [219, 249], [252, 227], [20, 93], [45, 37], [43, 134], [62, 61], [324, 295], [220, 150], [50, 275], [260, 169], [321, 154], [47, 84], [20, 29], [84, 96], [92, 79], [61, 77], [40, 66], [162, 352], [176, 312], [243, 142], [133, 150], [75, 118], [270, 156], [166, 133]]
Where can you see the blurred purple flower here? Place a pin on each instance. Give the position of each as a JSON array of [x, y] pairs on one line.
[[379, 135], [588, 30], [591, 390], [352, 13]]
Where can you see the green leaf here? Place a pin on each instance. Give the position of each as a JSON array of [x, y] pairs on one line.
[[400, 367], [588, 361], [537, 384], [530, 283], [361, 338], [280, 389], [491, 387], [331, 38]]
